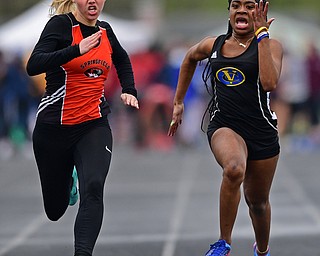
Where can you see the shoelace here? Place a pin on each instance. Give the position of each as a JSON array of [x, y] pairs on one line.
[[75, 191], [218, 247]]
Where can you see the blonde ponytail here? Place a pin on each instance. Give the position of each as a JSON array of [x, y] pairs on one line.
[[61, 7]]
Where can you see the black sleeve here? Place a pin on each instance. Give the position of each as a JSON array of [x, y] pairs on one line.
[[54, 47], [121, 62]]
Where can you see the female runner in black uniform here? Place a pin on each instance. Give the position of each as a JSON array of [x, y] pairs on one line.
[[244, 66], [76, 51]]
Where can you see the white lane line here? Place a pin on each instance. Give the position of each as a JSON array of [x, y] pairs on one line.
[[291, 184], [22, 236], [188, 172], [246, 233], [299, 194]]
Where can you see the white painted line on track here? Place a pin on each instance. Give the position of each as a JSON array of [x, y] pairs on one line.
[[188, 173], [297, 191], [302, 204], [22, 236], [291, 228], [296, 231]]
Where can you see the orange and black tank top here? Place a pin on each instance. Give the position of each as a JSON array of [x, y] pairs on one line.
[[75, 83], [84, 81]]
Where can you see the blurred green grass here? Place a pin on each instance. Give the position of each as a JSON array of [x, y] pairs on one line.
[[308, 9]]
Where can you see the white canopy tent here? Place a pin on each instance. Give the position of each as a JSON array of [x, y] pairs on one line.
[[295, 34], [21, 33]]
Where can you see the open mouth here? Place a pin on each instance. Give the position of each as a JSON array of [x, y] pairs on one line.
[[241, 22], [92, 9]]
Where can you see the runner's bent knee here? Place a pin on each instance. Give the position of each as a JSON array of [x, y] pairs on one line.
[[234, 171]]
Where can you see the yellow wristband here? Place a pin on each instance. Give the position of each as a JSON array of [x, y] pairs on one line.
[[260, 29]]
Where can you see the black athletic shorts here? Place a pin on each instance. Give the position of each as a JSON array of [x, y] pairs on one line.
[[259, 148]]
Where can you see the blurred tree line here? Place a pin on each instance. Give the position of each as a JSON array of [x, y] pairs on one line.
[[308, 9]]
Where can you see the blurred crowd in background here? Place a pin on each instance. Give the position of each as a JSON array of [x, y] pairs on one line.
[[296, 102], [156, 71]]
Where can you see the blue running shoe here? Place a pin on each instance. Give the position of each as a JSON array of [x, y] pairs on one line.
[[74, 195], [255, 253], [219, 248]]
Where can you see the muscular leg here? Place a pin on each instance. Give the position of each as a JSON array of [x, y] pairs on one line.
[[92, 157], [230, 152], [256, 186]]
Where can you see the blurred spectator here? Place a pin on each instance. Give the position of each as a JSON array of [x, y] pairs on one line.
[[18, 100], [146, 67], [3, 91], [291, 99], [156, 97], [313, 76], [155, 116], [195, 105], [15, 101]]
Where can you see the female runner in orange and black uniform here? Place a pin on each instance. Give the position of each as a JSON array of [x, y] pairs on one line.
[[76, 51]]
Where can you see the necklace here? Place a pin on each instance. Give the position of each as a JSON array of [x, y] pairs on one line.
[[244, 45]]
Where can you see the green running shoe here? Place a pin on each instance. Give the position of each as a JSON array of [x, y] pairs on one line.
[[74, 195]]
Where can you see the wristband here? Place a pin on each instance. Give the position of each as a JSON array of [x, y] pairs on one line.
[[262, 35], [260, 29]]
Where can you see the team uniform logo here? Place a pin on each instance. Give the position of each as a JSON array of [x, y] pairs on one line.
[[230, 76], [93, 72]]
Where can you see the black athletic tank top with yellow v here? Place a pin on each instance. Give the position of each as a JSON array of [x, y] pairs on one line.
[[75, 83], [239, 101]]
